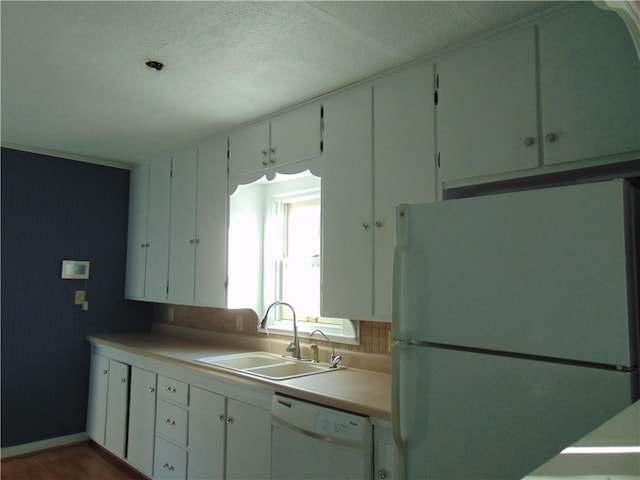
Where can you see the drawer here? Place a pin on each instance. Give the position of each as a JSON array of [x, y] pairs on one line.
[[172, 421], [173, 390], [170, 461]]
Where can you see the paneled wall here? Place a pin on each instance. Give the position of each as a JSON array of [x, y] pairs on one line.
[[55, 209]]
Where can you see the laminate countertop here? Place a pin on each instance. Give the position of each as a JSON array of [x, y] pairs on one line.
[[356, 390]]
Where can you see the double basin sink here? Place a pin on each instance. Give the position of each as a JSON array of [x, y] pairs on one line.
[[267, 365]]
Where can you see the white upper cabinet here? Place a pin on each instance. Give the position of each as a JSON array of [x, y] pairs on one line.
[[197, 254], [158, 230], [487, 108], [404, 164], [211, 224], [249, 149], [564, 89], [347, 213], [590, 85], [183, 225], [137, 233], [148, 236], [289, 137], [361, 186]]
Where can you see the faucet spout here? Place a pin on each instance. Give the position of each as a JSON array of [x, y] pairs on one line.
[[294, 346]]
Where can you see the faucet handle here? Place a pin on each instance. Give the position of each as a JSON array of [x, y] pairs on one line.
[[335, 361]]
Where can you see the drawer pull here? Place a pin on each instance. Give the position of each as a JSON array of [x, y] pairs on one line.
[[168, 467], [170, 422], [171, 389]]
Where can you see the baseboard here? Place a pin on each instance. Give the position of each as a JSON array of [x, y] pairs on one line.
[[27, 448]]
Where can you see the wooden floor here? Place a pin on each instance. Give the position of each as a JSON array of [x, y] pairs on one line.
[[79, 462]]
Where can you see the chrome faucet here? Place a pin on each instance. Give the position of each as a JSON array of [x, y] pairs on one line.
[[335, 359], [294, 346]]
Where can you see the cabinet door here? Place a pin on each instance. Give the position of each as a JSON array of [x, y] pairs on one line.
[[487, 108], [183, 226], [158, 230], [404, 164], [206, 435], [97, 405], [248, 430], [295, 135], [211, 224], [170, 461], [347, 240], [249, 149], [142, 417], [384, 454], [117, 408], [590, 85], [137, 233]]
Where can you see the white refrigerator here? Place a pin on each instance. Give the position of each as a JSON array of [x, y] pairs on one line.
[[515, 325]]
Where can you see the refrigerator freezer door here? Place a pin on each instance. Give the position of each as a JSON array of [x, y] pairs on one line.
[[468, 415], [542, 272]]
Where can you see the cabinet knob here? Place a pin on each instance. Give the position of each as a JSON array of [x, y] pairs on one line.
[[152, 390], [105, 372], [365, 225], [273, 149], [191, 241], [550, 137], [197, 241], [265, 162], [272, 160], [382, 474], [529, 141], [143, 245], [379, 223], [264, 152], [220, 418], [123, 380], [229, 420]]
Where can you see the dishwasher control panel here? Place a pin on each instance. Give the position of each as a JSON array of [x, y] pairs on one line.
[[321, 422], [336, 424]]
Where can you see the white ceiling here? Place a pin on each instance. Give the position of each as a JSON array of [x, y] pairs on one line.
[[74, 80]]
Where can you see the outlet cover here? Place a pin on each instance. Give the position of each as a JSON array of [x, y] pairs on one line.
[[79, 300]]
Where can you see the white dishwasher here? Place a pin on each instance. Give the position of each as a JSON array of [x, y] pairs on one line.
[[309, 441]]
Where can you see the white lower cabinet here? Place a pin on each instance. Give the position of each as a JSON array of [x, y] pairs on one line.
[[248, 431], [170, 461], [108, 404], [384, 451], [142, 419], [206, 435], [97, 404], [218, 424]]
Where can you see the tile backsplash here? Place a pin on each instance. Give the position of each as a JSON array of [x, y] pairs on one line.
[[374, 336]]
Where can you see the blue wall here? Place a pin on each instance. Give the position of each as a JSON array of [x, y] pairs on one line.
[[55, 209]]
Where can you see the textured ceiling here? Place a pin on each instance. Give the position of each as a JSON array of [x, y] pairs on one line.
[[74, 80]]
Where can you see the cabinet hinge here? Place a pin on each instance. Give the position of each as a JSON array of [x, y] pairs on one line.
[[435, 90], [321, 146], [438, 160]]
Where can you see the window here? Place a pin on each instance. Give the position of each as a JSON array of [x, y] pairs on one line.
[[282, 218]]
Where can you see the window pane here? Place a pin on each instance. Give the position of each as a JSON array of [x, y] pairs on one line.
[[303, 229]]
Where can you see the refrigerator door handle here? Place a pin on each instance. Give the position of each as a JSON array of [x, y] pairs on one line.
[[400, 273]]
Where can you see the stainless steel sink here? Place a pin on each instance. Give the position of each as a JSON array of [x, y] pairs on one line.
[[267, 365]]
